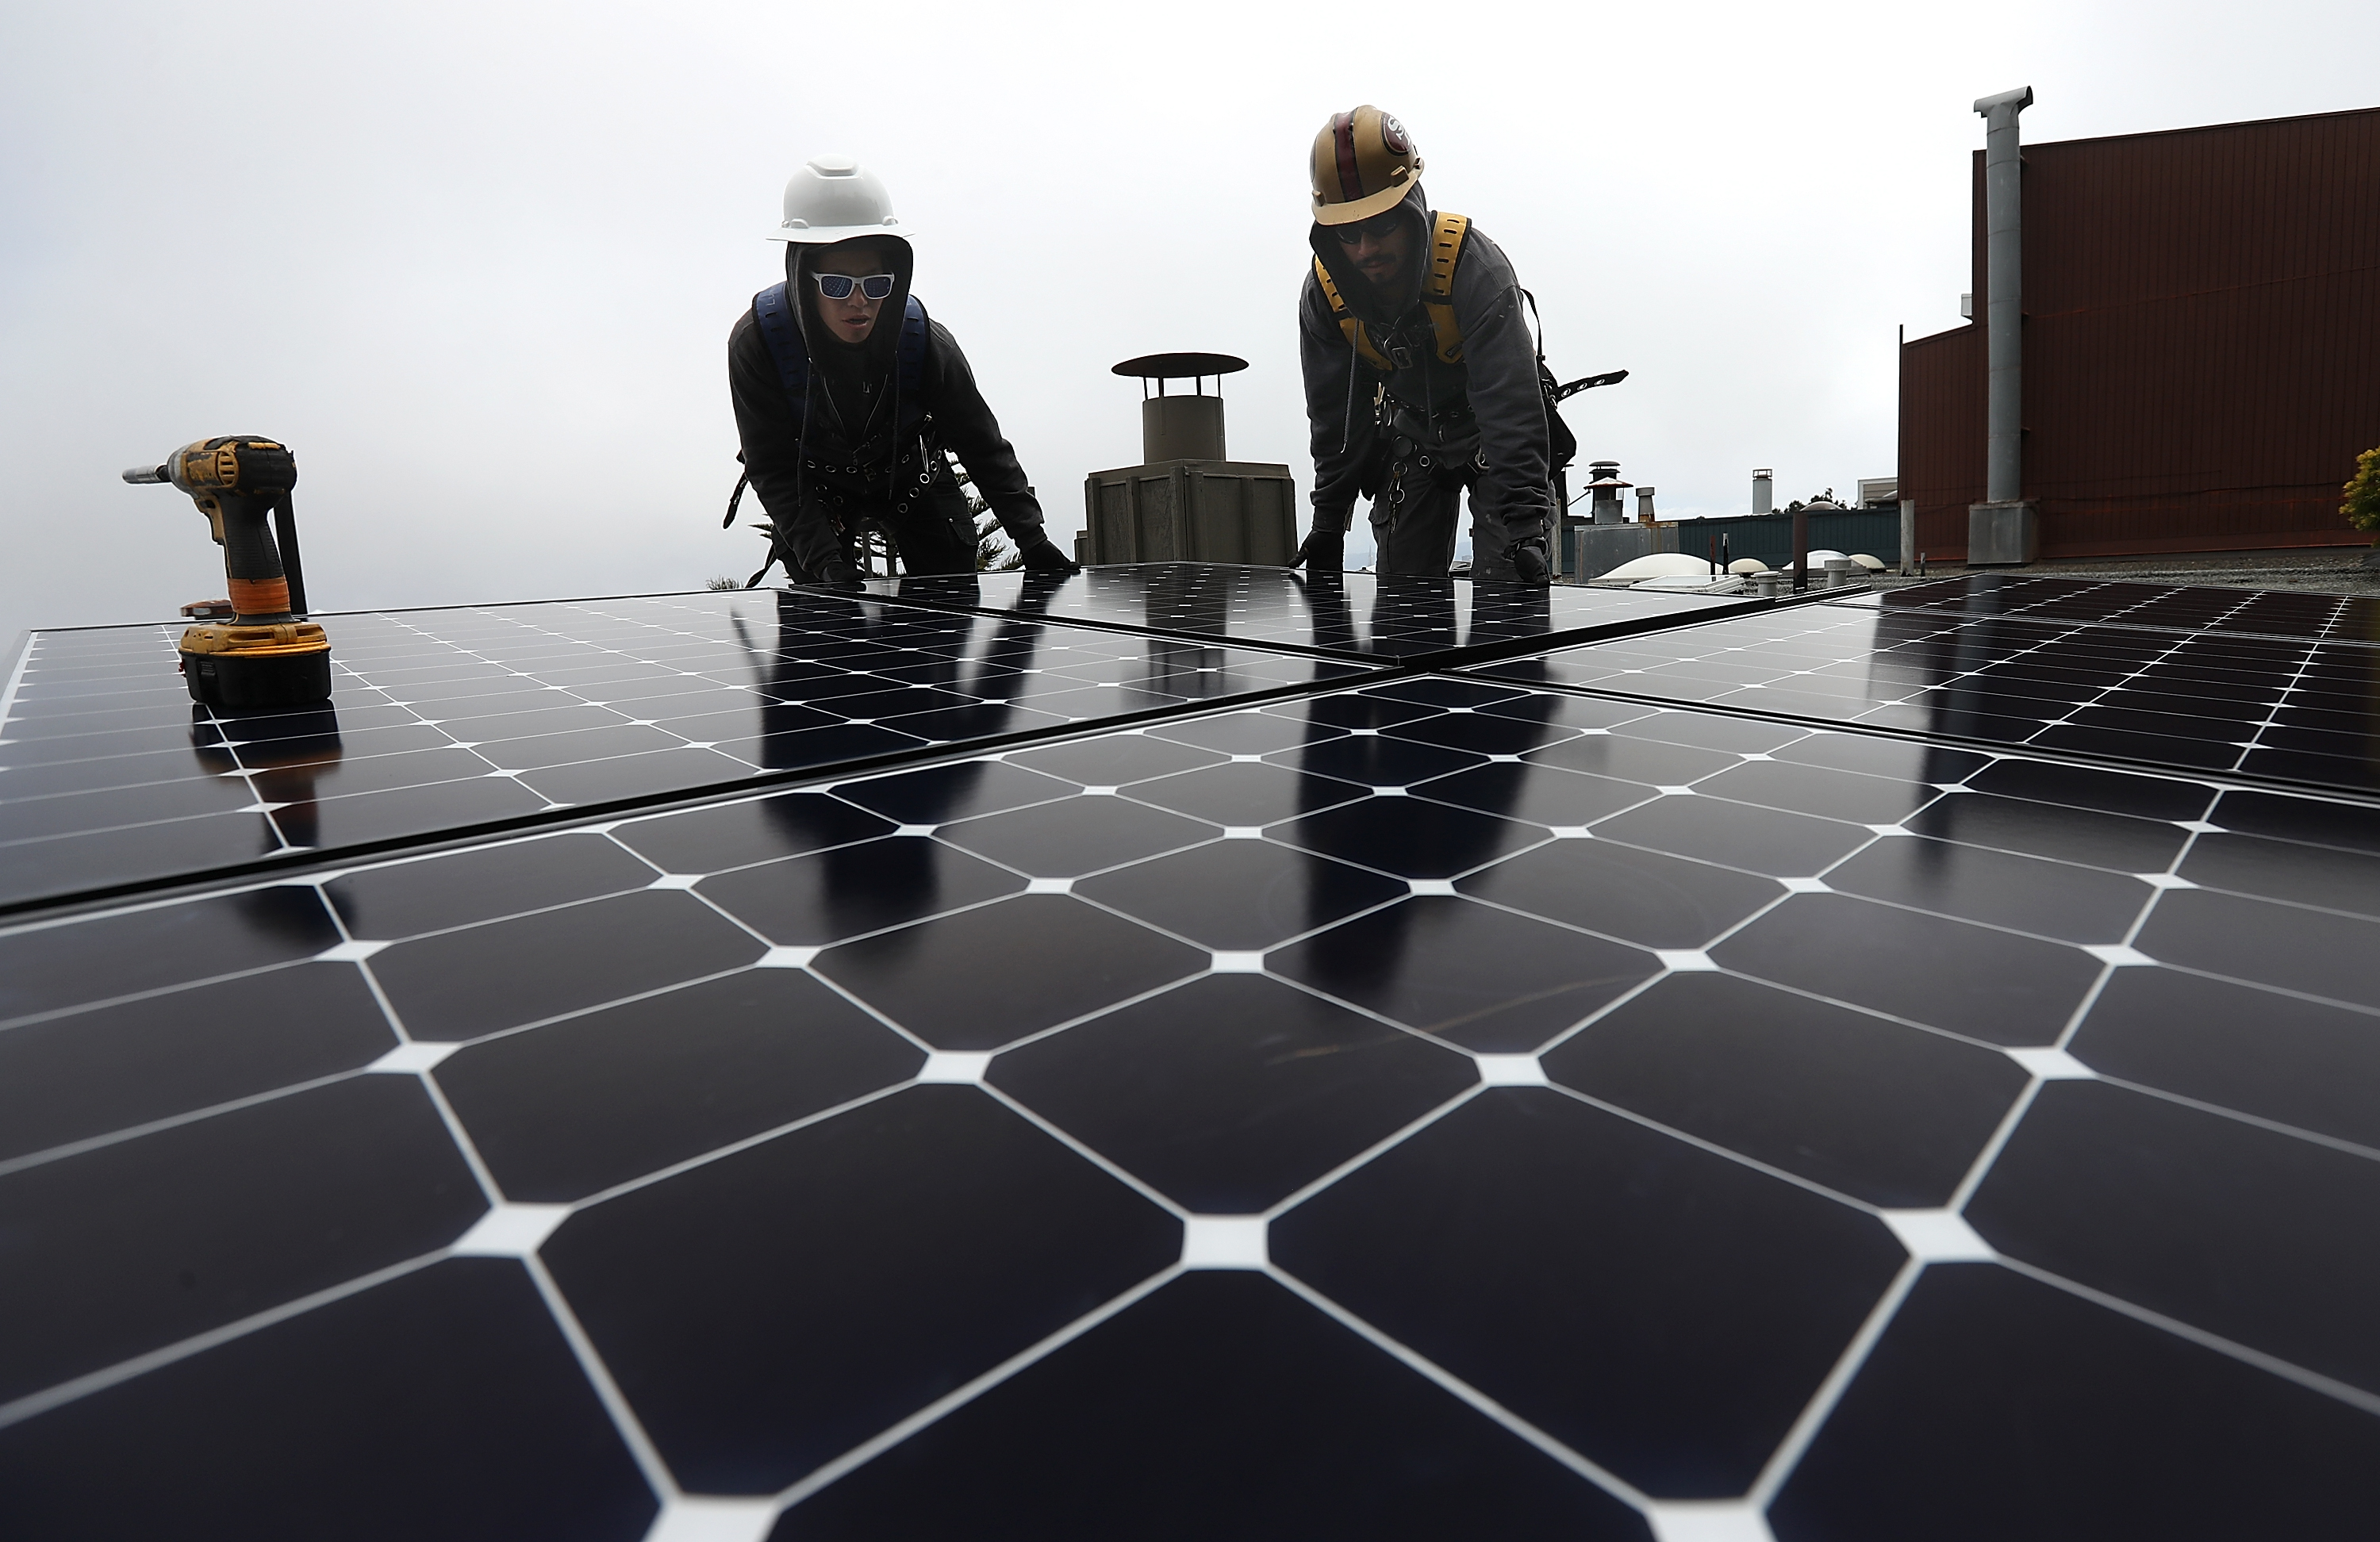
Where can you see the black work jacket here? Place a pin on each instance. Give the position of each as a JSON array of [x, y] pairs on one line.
[[815, 489]]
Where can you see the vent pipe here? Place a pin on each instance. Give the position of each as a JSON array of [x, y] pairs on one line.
[[2004, 285], [1764, 489], [1174, 427], [1607, 488]]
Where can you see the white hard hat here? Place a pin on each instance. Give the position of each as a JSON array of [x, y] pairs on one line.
[[834, 199]]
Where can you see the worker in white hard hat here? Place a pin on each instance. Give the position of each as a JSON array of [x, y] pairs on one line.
[[1421, 378], [847, 394]]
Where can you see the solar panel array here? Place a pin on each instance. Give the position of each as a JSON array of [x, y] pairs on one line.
[[1513, 1101]]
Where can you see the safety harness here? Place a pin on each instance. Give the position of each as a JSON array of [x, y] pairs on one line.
[[1446, 235], [772, 308]]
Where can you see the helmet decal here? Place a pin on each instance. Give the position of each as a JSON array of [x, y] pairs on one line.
[[1392, 134], [1343, 135]]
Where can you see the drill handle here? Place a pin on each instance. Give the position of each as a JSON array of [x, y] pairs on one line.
[[260, 586], [248, 550], [285, 536]]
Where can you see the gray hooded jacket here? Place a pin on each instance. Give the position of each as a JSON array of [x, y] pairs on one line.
[[1497, 379]]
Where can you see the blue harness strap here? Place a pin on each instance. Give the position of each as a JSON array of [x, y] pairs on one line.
[[773, 309]]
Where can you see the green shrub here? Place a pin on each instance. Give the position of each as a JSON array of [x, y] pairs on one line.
[[2362, 505]]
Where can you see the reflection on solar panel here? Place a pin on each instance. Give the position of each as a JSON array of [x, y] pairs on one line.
[[441, 721], [2291, 708], [1413, 1105], [1416, 620]]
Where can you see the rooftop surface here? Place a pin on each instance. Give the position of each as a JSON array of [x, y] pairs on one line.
[[1898, 1066]]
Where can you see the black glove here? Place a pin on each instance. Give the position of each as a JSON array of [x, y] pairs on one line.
[[1042, 556], [837, 574], [1529, 563], [1322, 552]]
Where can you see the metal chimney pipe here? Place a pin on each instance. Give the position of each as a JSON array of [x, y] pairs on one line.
[[1182, 428], [1764, 489], [2004, 283]]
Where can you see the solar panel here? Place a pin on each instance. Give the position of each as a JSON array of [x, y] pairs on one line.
[[445, 721], [1428, 1105], [2124, 602], [2275, 613], [1418, 621], [2297, 709]]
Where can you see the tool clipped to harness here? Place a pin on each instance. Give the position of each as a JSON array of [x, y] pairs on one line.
[[266, 655], [1564, 393]]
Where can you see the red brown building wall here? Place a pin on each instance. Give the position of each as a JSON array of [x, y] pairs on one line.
[[2202, 344]]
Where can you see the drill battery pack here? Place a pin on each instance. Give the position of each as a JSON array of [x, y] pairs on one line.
[[281, 664]]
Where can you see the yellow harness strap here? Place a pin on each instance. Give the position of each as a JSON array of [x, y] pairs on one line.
[[1358, 338], [1438, 293], [1436, 297]]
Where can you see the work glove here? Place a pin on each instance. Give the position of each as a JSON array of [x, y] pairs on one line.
[[1041, 556], [1322, 552], [1529, 563], [837, 574]]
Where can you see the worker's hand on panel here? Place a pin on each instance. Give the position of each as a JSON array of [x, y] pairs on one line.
[[1041, 556], [1322, 552]]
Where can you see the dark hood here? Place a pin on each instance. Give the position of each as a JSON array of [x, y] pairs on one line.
[[1354, 287], [839, 360]]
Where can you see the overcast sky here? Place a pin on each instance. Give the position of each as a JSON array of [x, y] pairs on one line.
[[477, 263]]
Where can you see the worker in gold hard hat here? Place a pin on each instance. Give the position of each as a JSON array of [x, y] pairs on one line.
[[1421, 378]]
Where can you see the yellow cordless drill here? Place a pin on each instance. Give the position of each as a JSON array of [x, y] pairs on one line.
[[265, 656]]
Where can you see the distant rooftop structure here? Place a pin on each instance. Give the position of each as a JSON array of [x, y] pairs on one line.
[[1188, 500], [2200, 347]]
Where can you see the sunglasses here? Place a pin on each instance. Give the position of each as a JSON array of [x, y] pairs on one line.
[[1379, 227], [838, 286]]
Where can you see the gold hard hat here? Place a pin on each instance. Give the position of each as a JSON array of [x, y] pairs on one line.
[[1364, 163]]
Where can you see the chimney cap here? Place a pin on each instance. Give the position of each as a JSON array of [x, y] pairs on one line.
[[1180, 366]]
